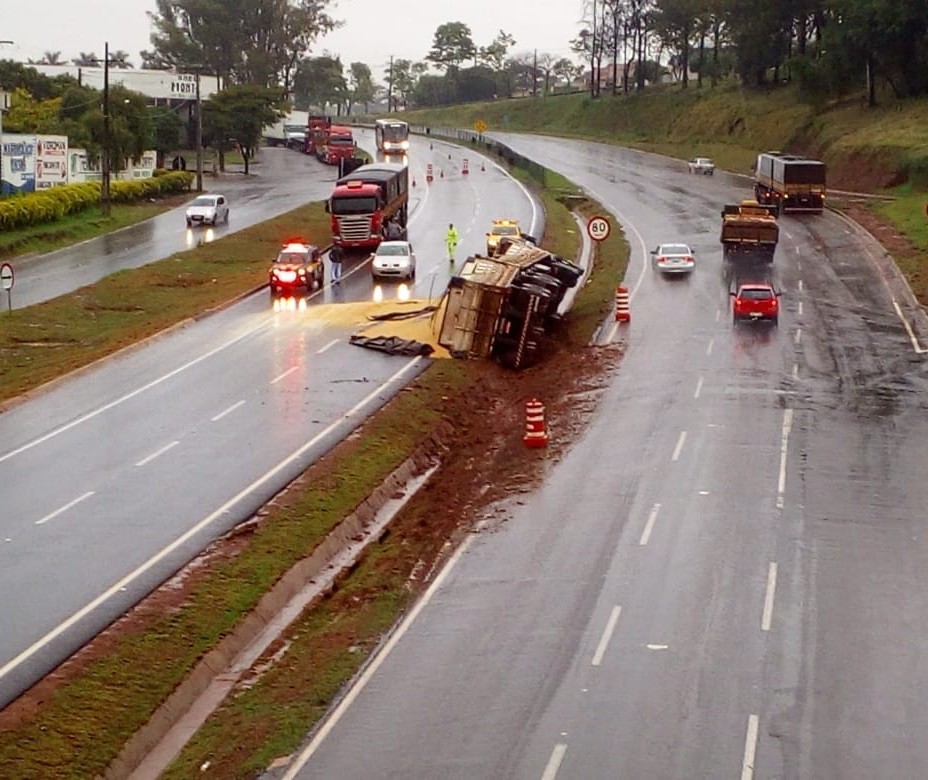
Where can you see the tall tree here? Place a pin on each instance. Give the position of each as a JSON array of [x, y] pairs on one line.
[[237, 116], [452, 45], [318, 81], [361, 85], [494, 55]]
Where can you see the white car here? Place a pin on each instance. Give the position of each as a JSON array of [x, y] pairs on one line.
[[701, 165], [673, 258], [208, 210], [394, 258]]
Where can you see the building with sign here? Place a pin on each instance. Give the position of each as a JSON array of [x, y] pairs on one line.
[[159, 85]]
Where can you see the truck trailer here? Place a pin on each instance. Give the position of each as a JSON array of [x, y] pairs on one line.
[[364, 200], [789, 182], [749, 231]]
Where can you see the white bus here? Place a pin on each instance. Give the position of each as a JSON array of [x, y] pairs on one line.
[[392, 136]]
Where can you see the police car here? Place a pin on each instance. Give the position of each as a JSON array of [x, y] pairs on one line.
[[297, 268]]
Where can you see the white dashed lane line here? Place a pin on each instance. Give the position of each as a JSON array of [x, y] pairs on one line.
[[767, 616], [698, 388], [784, 446], [750, 748], [649, 525], [606, 636], [224, 412], [65, 508], [327, 347], [158, 453], [284, 375], [679, 448], [554, 763]]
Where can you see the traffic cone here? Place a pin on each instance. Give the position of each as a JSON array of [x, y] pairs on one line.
[[441, 174], [622, 313], [413, 181], [536, 434], [481, 167]]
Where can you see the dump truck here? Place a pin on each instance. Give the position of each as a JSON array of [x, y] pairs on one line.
[[503, 307], [789, 182], [362, 202], [749, 231]]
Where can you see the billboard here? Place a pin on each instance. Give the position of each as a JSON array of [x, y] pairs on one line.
[[51, 161], [17, 158], [80, 169]]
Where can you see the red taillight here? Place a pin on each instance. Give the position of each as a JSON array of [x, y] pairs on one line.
[[662, 259]]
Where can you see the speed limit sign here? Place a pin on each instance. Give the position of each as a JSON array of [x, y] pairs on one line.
[[598, 228]]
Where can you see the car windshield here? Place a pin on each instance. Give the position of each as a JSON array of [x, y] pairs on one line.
[[350, 205], [292, 257], [674, 249], [506, 230], [204, 201], [392, 250], [757, 295]]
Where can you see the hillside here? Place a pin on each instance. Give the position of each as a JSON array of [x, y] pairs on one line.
[[865, 149]]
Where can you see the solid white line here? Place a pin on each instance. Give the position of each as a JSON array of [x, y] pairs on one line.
[[784, 445], [709, 348], [750, 748], [285, 374], [649, 526], [607, 635], [331, 344], [106, 407], [798, 335], [768, 598], [374, 665], [231, 409], [65, 508], [554, 763], [181, 540], [679, 448], [698, 388], [154, 455], [919, 349]]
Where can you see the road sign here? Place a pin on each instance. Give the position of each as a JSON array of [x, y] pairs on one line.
[[6, 276], [480, 126], [598, 228]]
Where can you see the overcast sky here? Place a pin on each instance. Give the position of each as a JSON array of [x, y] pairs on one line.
[[368, 34]]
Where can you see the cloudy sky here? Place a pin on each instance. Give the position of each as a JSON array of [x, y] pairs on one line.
[[368, 34]]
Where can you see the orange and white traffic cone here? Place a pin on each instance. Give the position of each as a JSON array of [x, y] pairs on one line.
[[536, 433], [622, 312]]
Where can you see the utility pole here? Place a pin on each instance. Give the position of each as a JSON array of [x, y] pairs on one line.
[[535, 74], [199, 137], [390, 88], [105, 161]]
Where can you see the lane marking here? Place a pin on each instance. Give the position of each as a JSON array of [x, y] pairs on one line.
[[709, 348], [718, 314], [768, 598], [750, 748], [790, 237], [784, 445], [800, 286], [154, 455], [554, 763], [284, 375], [657, 647], [128, 396], [231, 409], [649, 526], [333, 342], [181, 540], [800, 308], [795, 371], [375, 664], [698, 388], [797, 337], [679, 448], [606, 637], [919, 349], [65, 508]]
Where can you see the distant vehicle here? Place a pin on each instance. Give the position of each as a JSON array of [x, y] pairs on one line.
[[317, 128], [755, 301], [673, 258], [392, 136], [504, 228], [297, 267], [789, 182], [702, 165], [208, 210], [394, 258], [290, 131]]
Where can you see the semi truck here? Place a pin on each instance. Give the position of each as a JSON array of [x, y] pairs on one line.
[[503, 307], [337, 144], [789, 182], [364, 200], [749, 231], [317, 127]]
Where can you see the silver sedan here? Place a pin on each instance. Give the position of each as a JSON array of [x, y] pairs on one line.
[[673, 258]]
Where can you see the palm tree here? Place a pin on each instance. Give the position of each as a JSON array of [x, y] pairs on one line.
[[120, 59], [85, 60], [51, 58]]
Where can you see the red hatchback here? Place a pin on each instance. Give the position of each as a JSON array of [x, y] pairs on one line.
[[755, 301]]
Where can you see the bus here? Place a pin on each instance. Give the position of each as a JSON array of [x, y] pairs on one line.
[[392, 136]]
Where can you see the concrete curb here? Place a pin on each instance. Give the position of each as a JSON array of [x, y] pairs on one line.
[[151, 744]]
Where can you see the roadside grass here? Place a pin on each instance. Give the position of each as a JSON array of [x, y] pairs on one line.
[[113, 695], [908, 212], [40, 343], [79, 227]]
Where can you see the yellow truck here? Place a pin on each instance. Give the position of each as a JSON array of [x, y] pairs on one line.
[[749, 231]]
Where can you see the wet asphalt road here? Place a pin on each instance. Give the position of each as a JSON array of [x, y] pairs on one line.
[[727, 574], [115, 478]]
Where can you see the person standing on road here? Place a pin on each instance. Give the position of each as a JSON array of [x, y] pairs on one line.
[[336, 255], [451, 240]]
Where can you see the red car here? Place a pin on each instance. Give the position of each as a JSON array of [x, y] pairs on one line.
[[755, 301]]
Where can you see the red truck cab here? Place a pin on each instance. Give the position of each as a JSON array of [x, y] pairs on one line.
[[339, 145]]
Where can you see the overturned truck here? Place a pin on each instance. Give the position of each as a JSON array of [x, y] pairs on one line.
[[503, 307]]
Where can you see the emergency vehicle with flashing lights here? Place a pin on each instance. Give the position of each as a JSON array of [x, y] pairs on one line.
[[297, 268]]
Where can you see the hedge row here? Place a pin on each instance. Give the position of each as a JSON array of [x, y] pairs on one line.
[[34, 208]]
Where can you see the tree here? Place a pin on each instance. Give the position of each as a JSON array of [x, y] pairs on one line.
[[237, 116], [27, 115], [362, 88], [494, 55], [86, 60], [566, 71], [452, 45], [674, 23], [166, 130], [318, 81], [401, 81], [120, 59], [257, 42]]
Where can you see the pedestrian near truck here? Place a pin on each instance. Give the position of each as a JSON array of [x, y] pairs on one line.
[[336, 255]]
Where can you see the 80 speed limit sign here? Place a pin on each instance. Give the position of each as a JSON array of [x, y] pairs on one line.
[[598, 228]]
